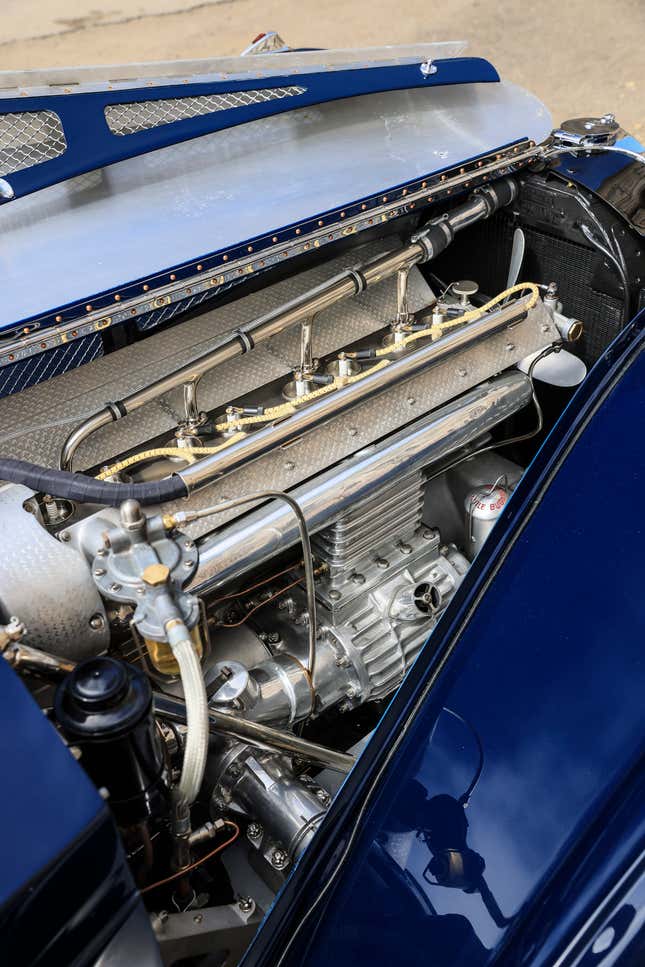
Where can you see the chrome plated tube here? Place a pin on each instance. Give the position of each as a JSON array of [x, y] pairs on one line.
[[33, 661], [314, 415], [252, 540], [263, 736], [351, 282]]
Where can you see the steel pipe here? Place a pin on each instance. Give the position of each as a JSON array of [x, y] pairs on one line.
[[314, 415], [250, 541], [263, 736], [423, 246]]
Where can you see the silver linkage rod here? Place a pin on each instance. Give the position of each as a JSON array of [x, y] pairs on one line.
[[257, 734]]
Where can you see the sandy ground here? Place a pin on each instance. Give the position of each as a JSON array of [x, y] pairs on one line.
[[579, 56]]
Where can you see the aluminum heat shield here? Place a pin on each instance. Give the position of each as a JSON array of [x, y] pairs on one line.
[[83, 391]]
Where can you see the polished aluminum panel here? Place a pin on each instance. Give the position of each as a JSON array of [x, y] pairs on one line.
[[140, 216]]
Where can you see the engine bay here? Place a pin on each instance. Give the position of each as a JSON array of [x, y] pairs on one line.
[[303, 476]]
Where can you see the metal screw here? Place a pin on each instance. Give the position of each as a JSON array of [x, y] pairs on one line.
[[115, 587], [323, 796], [462, 372], [97, 622], [358, 578], [382, 563], [509, 347], [427, 68], [188, 545], [198, 918], [404, 548], [254, 831], [188, 564], [411, 400], [279, 859], [427, 535], [246, 904], [289, 465], [102, 553], [65, 536], [99, 572], [334, 594]]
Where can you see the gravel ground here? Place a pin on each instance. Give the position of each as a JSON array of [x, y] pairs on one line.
[[578, 56]]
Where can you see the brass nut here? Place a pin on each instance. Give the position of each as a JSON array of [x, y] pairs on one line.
[[155, 575]]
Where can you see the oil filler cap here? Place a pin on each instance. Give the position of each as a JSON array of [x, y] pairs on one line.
[[99, 683], [102, 698]]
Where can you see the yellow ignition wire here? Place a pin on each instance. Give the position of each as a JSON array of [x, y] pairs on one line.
[[192, 454], [439, 328]]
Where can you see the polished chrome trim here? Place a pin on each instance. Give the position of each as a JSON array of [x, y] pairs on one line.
[[250, 541], [262, 441]]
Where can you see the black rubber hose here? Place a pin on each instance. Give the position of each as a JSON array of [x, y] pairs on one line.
[[77, 486]]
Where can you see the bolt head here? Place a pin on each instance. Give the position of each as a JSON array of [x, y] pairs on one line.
[[254, 831], [334, 594], [155, 575], [279, 859]]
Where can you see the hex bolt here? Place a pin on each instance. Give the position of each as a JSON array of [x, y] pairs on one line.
[[382, 563], [323, 796], [65, 536], [246, 904], [279, 859], [254, 831], [115, 587], [335, 594], [97, 622], [99, 572], [404, 548], [358, 578]]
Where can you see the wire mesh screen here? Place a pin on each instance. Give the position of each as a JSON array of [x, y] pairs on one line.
[[28, 138], [143, 115]]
